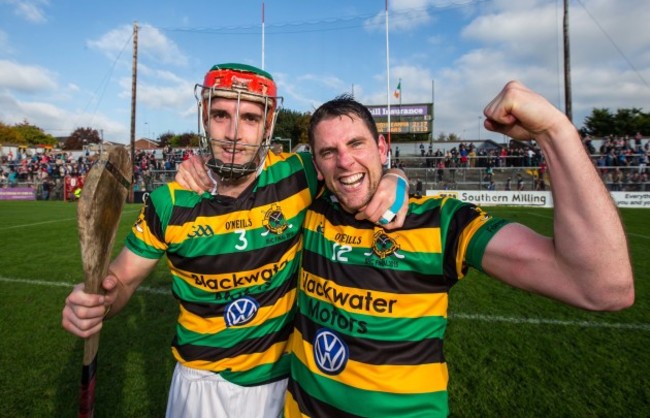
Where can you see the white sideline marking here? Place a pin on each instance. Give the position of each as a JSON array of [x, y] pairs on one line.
[[52, 221], [540, 321], [631, 234], [472, 317], [38, 223], [144, 289]]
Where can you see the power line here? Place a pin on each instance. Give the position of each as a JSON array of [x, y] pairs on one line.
[[614, 44], [105, 81], [323, 25]]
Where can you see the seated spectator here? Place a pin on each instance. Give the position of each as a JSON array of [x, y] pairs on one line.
[[13, 178]]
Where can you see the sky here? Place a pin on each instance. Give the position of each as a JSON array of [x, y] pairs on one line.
[[66, 64]]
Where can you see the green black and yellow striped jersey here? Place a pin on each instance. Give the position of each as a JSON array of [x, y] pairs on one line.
[[372, 308], [234, 265]]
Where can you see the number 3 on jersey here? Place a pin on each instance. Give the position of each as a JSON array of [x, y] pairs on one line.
[[242, 239]]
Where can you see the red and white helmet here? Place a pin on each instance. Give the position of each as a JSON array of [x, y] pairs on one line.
[[242, 83]]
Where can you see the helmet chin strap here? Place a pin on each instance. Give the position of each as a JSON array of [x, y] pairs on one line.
[[215, 184], [228, 170], [220, 172]]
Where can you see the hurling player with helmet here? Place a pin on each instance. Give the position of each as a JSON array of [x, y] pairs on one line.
[[233, 253]]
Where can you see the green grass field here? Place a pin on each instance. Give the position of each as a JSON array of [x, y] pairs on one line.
[[511, 354]]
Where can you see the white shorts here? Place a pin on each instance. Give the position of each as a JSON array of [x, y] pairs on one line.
[[204, 394]]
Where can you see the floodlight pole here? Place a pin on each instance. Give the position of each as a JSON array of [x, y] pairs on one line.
[[134, 83], [388, 89]]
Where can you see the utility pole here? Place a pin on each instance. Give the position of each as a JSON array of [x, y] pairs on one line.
[[134, 83], [568, 107]]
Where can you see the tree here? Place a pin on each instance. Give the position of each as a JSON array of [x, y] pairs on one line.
[[166, 139], [292, 124], [81, 137], [32, 135], [629, 121], [602, 122], [188, 139], [10, 136]]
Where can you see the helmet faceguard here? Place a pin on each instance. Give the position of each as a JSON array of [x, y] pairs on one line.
[[241, 83]]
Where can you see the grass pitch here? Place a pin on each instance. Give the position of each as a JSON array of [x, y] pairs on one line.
[[510, 353]]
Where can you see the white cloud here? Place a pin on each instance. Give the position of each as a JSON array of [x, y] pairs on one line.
[[156, 96], [5, 47], [157, 47], [303, 89], [26, 78], [610, 65], [44, 107], [31, 11], [114, 42], [153, 45], [53, 119], [403, 15]]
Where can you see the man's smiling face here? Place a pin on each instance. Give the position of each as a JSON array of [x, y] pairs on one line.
[[349, 159]]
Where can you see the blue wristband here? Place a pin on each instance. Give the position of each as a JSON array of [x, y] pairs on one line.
[[388, 216], [399, 196]]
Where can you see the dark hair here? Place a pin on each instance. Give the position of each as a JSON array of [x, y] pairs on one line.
[[343, 105]]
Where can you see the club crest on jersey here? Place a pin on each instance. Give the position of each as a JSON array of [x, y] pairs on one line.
[[241, 311], [274, 221], [331, 353], [384, 246]]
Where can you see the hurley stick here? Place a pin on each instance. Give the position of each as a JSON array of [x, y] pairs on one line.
[[98, 217]]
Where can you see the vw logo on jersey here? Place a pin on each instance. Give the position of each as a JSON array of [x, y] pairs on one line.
[[330, 352], [241, 311]]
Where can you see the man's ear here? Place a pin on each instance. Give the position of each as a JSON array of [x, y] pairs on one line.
[[383, 148], [320, 176]]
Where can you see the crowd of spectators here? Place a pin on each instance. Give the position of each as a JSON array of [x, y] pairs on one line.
[[45, 170], [49, 171], [622, 162], [155, 167], [29, 168], [467, 155]]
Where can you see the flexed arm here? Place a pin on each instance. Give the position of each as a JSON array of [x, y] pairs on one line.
[[586, 263]]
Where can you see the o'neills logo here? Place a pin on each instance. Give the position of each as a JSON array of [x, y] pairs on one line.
[[274, 221], [347, 239]]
